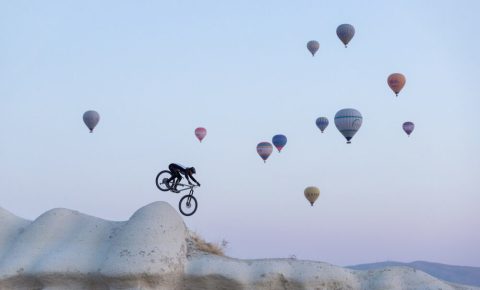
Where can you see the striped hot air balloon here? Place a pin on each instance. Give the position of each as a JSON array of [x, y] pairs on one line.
[[311, 194], [200, 132], [345, 32], [322, 123], [408, 127], [348, 122], [264, 149], [279, 141], [396, 82]]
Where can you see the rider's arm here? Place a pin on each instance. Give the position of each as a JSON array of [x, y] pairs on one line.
[[188, 179], [193, 178]]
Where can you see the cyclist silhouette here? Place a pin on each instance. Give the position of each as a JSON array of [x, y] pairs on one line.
[[177, 171]]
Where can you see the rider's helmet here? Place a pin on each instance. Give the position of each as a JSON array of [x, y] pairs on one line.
[[192, 169]]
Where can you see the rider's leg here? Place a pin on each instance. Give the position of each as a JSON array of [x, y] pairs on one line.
[[173, 171], [177, 180]]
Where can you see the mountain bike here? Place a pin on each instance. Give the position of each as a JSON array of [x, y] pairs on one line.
[[188, 203]]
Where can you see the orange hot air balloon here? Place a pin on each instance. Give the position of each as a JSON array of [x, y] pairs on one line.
[[200, 132], [396, 82]]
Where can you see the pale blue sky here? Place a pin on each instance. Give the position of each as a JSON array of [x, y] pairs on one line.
[[155, 70]]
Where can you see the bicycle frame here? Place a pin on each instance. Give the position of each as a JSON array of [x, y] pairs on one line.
[[188, 187]]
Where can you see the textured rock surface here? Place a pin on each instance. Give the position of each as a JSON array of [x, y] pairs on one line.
[[204, 271], [64, 249]]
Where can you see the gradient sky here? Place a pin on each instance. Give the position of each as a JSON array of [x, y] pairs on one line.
[[155, 70]]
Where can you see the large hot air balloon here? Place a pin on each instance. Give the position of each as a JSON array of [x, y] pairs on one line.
[[345, 32], [348, 121], [396, 82], [264, 149], [279, 141], [200, 132], [408, 127], [322, 123], [91, 118], [311, 194], [313, 46]]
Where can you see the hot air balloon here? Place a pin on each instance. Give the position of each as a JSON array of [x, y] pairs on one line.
[[313, 46], [91, 118], [311, 194], [348, 121], [264, 149], [408, 127], [322, 123], [200, 132], [396, 82], [345, 32], [279, 141]]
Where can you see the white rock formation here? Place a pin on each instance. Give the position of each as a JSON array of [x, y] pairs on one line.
[[64, 249]]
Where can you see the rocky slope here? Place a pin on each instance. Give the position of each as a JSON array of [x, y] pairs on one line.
[[64, 249], [456, 274]]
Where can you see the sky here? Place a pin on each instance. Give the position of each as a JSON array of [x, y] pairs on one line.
[[156, 70]]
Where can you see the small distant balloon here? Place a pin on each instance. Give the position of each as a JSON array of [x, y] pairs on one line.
[[91, 118], [279, 141], [200, 132], [311, 194], [408, 127], [322, 123], [264, 149], [396, 82], [345, 32], [313, 46], [348, 122]]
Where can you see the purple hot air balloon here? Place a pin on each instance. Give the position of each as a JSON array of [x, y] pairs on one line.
[[345, 32], [264, 149], [322, 123], [313, 46], [408, 127]]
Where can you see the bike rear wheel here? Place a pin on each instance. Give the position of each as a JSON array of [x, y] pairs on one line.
[[188, 205], [162, 180]]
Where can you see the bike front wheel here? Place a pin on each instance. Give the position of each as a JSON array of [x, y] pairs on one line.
[[188, 205], [162, 180]]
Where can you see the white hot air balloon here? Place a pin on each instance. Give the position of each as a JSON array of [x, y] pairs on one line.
[[348, 122], [91, 119]]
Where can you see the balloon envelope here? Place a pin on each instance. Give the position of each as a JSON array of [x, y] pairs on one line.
[[322, 123], [264, 149], [345, 32], [200, 132], [408, 127], [91, 118], [313, 46], [348, 122], [311, 194], [396, 82], [279, 141]]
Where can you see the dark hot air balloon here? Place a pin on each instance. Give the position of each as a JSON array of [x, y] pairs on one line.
[[279, 141], [345, 32], [91, 118]]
